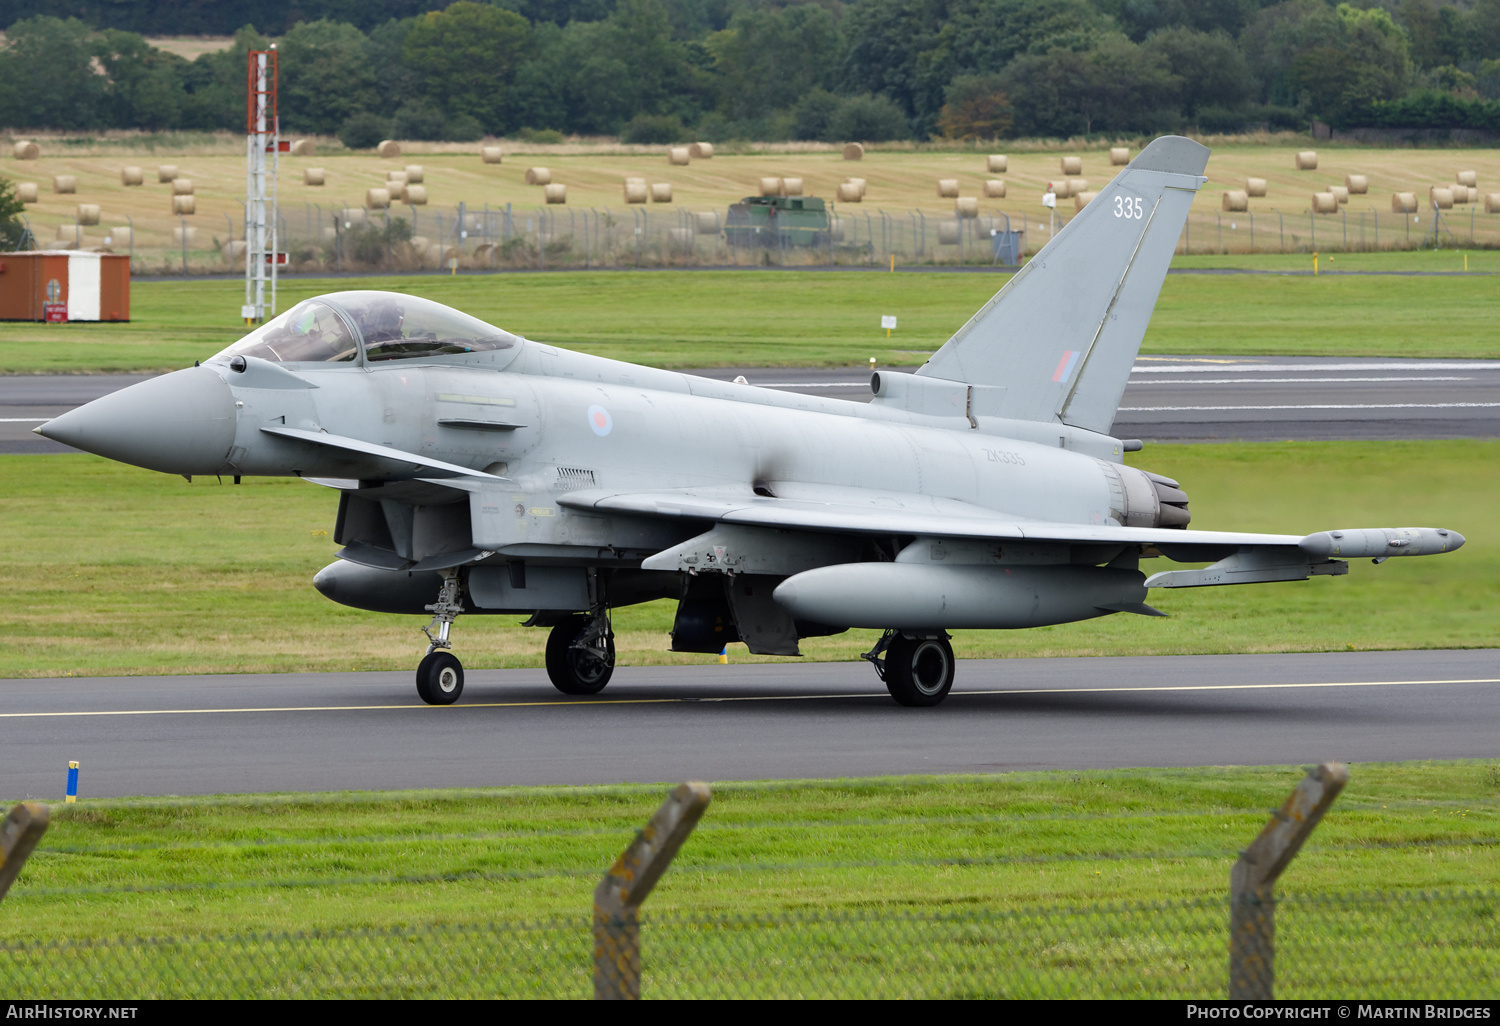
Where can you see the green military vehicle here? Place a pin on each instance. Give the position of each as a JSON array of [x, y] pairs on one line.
[[777, 221]]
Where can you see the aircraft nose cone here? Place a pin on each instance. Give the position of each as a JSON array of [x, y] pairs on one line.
[[179, 423]]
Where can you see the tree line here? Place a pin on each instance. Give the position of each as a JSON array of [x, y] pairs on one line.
[[666, 70]]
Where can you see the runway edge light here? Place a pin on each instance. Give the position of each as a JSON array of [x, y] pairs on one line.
[[73, 781]]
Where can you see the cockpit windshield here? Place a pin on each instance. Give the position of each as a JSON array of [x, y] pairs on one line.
[[390, 325], [310, 332]]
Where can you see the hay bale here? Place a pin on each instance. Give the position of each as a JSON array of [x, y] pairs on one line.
[[538, 176], [181, 235], [848, 192], [182, 187], [706, 222], [120, 235], [791, 186], [858, 183], [854, 151], [304, 148], [683, 238], [947, 188], [1119, 156], [62, 184], [414, 195], [1492, 203], [996, 163], [1467, 178], [555, 192], [1081, 199], [1358, 185], [635, 190], [88, 213], [1236, 200], [166, 172], [352, 216], [26, 192], [312, 176], [489, 154], [677, 156], [389, 148], [439, 255], [67, 232], [966, 206], [25, 149], [184, 205], [396, 176], [994, 189], [701, 150], [1464, 194], [1307, 160], [328, 233], [1403, 203], [377, 199], [132, 176], [948, 233], [770, 186], [661, 192], [233, 250], [1441, 198], [1072, 165], [1079, 185], [1255, 186], [837, 228], [1062, 190], [414, 174], [1325, 203], [1340, 193]]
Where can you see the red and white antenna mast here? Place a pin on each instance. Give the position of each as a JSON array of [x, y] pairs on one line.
[[262, 137]]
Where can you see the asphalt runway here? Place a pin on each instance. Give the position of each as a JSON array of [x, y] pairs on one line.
[[1168, 399], [189, 735]]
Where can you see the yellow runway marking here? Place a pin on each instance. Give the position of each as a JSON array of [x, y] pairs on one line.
[[577, 703]]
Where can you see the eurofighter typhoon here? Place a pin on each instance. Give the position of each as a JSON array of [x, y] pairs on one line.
[[481, 472]]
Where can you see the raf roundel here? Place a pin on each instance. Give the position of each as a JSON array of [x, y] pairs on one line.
[[600, 421]]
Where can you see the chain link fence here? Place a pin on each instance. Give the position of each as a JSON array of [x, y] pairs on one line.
[[322, 239], [1371, 946]]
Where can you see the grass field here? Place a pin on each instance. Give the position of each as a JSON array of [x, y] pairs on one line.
[[330, 861], [899, 179], [790, 318], [113, 570]]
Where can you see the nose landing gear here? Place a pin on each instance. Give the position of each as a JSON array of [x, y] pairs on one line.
[[440, 676]]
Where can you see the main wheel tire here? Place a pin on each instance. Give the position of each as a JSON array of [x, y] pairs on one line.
[[576, 672], [440, 678], [919, 671]]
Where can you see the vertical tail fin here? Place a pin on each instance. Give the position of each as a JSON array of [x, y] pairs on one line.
[[1062, 335]]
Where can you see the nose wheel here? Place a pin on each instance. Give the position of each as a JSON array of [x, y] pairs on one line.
[[440, 676]]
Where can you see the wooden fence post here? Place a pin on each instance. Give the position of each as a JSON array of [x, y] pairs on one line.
[[617, 899], [1252, 882], [19, 833]]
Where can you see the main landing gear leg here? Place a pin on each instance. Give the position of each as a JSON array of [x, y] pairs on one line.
[[440, 676], [581, 653], [918, 667]]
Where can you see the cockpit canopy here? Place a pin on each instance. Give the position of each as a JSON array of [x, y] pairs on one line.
[[343, 326]]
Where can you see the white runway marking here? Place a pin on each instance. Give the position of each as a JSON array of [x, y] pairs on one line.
[[577, 703]]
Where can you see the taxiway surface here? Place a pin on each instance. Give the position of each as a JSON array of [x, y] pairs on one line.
[[1168, 398], [369, 731]]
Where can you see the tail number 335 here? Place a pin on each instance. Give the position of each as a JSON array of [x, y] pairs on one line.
[[1126, 206]]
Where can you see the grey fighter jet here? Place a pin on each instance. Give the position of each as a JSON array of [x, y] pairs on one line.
[[481, 472]]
